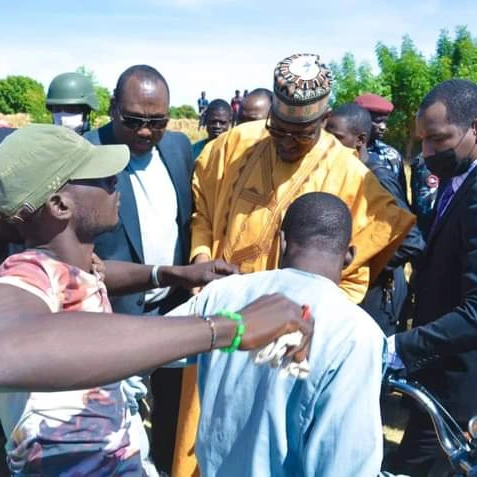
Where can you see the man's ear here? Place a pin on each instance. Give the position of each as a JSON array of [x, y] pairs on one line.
[[474, 128], [349, 257], [325, 117], [112, 105], [60, 205], [361, 141]]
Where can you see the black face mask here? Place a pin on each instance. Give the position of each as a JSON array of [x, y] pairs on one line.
[[444, 164]]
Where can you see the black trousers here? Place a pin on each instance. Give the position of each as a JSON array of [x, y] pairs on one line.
[[166, 391], [165, 386], [419, 454], [3, 455]]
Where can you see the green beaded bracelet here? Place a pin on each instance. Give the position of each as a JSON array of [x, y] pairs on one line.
[[239, 331]]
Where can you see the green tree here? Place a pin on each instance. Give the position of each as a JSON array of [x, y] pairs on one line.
[[351, 80], [103, 94], [464, 56], [405, 77], [345, 76], [441, 64], [408, 76], [22, 94], [184, 111]]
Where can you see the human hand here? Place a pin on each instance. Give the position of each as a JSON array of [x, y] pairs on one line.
[[197, 274], [97, 266], [200, 258], [272, 316]]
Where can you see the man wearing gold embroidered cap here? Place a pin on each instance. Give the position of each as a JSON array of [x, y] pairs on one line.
[[244, 182]]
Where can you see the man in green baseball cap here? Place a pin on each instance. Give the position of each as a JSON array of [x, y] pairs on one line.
[[70, 99], [38, 161], [59, 191]]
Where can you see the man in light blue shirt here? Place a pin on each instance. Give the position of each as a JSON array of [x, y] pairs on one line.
[[256, 422]]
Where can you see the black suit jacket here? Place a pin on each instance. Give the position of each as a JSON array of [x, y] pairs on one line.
[[4, 132], [442, 351], [124, 243], [386, 295]]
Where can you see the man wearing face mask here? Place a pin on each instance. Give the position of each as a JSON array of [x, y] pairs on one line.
[[441, 352], [70, 99]]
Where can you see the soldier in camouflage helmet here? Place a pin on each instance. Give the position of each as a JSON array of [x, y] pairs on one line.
[[70, 99]]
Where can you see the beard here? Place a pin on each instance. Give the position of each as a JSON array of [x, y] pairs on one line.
[[88, 227]]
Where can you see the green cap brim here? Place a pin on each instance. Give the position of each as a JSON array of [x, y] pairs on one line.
[[105, 161], [37, 160]]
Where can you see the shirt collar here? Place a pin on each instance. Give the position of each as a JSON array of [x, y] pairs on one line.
[[457, 181]]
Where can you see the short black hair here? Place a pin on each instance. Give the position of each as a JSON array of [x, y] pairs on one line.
[[318, 220], [459, 96], [357, 118], [143, 72], [261, 92], [217, 104]]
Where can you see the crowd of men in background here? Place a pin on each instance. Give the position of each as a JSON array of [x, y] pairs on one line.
[[301, 200]]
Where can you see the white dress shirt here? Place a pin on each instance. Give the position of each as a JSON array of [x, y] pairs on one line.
[[156, 203]]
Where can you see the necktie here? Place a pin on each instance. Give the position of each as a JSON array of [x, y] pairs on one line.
[[444, 201]]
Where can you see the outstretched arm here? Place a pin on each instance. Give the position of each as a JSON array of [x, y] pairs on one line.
[[74, 350], [122, 278]]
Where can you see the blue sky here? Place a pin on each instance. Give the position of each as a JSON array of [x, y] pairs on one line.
[[211, 45]]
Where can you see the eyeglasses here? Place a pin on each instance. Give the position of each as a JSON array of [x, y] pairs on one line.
[[136, 122], [300, 138]]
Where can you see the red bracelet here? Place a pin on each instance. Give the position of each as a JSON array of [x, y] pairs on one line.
[[306, 312]]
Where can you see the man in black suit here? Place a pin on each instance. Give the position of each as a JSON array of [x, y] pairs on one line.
[[155, 210], [441, 350]]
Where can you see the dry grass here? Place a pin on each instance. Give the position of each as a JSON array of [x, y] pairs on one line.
[[15, 120], [395, 417], [187, 126]]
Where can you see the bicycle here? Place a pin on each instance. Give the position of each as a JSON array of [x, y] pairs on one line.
[[459, 447]]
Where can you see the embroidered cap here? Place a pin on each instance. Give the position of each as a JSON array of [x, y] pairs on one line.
[[37, 160], [301, 88]]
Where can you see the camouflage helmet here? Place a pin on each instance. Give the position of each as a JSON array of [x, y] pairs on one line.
[[71, 88]]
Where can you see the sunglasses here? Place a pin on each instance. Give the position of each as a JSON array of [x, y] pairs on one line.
[[136, 122]]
